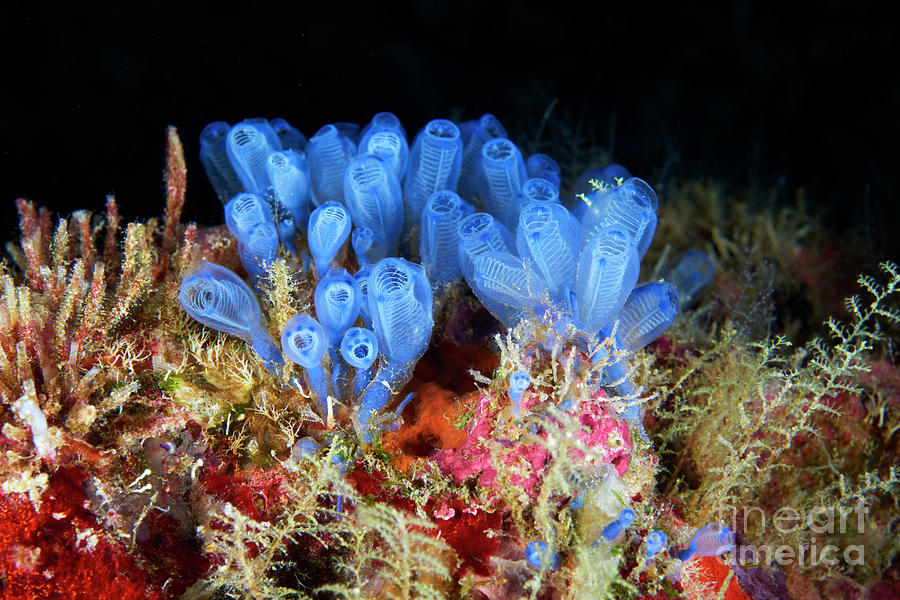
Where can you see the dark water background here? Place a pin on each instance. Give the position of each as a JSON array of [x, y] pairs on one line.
[[756, 95]]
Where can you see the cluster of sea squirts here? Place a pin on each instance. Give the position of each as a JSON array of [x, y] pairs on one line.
[[460, 202]]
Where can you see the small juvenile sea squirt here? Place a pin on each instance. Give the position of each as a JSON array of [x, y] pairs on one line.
[[359, 348], [541, 556], [656, 541], [615, 529], [691, 273], [518, 383], [712, 540]]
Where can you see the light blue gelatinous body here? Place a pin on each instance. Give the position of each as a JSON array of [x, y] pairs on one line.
[[249, 220], [474, 134], [372, 195], [608, 177], [630, 207], [505, 287], [608, 269], [480, 233], [329, 227], [439, 237], [214, 156], [503, 277], [518, 383], [381, 121], [304, 341], [217, 298], [656, 541], [259, 249], [351, 131], [288, 174], [712, 540], [289, 136], [329, 154], [249, 144], [244, 212], [541, 556], [547, 239], [337, 300], [362, 280], [385, 138], [400, 303], [287, 233], [691, 273], [543, 166], [615, 529], [504, 173], [267, 130], [646, 314], [401, 307], [305, 446], [533, 190], [359, 348], [366, 248], [434, 163]]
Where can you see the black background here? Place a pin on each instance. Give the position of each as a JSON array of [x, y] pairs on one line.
[[753, 94]]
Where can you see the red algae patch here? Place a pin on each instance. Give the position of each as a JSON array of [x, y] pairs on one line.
[[59, 551], [254, 493], [708, 573], [466, 531]]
